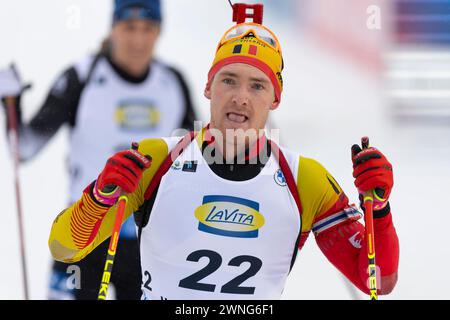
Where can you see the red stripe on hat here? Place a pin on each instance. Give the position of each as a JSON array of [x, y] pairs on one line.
[[253, 50], [251, 61]]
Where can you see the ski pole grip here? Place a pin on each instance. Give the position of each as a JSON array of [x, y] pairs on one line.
[[368, 195], [365, 142]]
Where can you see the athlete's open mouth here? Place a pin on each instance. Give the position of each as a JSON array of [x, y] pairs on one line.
[[236, 117]]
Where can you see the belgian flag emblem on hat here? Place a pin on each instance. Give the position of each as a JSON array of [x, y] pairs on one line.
[[252, 49]]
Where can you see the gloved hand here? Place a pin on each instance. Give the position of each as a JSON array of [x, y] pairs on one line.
[[372, 171], [122, 172], [11, 87]]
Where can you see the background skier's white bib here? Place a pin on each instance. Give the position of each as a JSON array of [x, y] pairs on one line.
[[152, 108]]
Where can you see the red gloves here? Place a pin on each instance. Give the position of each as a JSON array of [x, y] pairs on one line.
[[372, 171], [122, 172]]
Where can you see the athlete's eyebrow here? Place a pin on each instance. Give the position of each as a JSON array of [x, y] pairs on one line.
[[235, 75], [261, 80], [228, 74]]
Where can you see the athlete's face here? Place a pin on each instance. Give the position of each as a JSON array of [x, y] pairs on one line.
[[133, 43], [241, 98]]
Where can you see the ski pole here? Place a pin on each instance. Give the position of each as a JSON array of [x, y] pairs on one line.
[[14, 142], [107, 270], [368, 219]]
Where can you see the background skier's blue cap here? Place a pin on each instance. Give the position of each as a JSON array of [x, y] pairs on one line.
[[137, 9]]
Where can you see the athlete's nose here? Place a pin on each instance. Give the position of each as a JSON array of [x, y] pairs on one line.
[[241, 96]]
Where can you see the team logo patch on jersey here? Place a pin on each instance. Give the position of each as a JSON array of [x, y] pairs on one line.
[[137, 115], [229, 216], [190, 166], [176, 165], [279, 178]]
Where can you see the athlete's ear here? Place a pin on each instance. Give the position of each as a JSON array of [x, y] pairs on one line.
[[207, 92], [275, 103]]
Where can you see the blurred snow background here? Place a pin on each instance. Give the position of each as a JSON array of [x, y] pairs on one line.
[[333, 96]]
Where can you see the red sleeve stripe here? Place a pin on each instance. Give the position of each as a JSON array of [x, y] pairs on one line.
[[84, 221], [80, 233], [79, 219], [94, 208], [349, 213]]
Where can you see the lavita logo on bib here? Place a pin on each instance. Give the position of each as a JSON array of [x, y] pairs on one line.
[[137, 115], [229, 216]]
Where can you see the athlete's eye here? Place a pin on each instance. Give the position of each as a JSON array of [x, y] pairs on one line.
[[228, 81], [258, 86]]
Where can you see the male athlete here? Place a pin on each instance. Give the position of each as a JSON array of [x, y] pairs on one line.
[[224, 210]]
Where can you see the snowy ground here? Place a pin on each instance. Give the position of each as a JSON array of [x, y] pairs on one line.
[[328, 104]]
